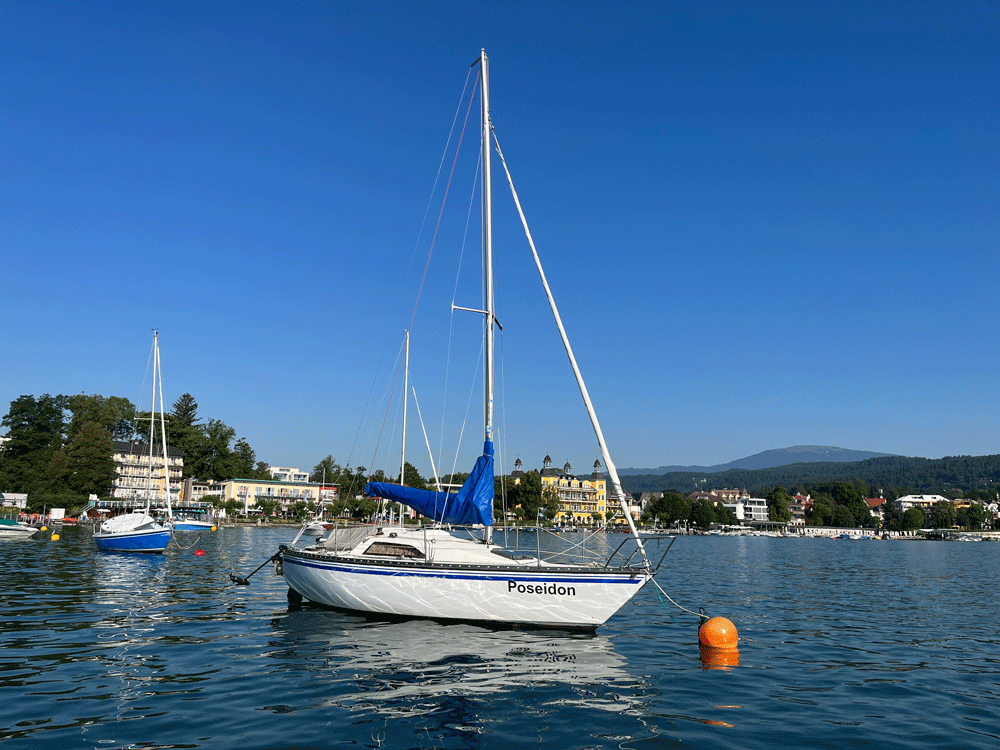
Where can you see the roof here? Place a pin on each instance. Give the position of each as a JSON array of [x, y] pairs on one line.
[[136, 448]]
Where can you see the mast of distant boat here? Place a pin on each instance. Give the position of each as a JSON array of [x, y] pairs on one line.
[[402, 459], [158, 381]]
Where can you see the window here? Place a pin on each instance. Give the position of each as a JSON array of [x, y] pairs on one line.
[[388, 549]]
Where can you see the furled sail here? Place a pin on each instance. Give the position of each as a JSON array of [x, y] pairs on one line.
[[472, 504]]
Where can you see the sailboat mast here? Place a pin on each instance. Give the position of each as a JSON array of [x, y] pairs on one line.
[[152, 430], [487, 241], [158, 380], [406, 388]]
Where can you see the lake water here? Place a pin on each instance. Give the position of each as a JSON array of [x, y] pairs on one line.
[[860, 644]]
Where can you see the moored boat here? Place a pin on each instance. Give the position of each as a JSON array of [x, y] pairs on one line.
[[138, 531], [11, 528], [456, 570]]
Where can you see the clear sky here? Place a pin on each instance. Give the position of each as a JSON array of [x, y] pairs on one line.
[[766, 224]]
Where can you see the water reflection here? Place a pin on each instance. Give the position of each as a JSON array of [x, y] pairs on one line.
[[418, 667]]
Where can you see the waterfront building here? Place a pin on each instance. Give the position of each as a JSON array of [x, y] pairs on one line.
[[252, 492], [288, 474], [876, 505], [132, 472], [579, 499], [925, 502], [744, 507], [17, 500]]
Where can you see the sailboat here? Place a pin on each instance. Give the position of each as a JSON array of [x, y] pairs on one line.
[[444, 573], [138, 531]]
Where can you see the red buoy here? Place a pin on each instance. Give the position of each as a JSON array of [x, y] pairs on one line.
[[199, 553]]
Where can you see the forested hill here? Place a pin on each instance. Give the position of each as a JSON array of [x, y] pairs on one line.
[[796, 454], [893, 474]]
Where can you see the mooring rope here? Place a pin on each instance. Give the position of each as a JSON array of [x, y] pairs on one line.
[[700, 615]]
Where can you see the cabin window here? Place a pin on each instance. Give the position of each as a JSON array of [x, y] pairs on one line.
[[388, 549]]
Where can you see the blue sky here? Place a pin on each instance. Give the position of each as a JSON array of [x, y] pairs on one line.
[[765, 224]]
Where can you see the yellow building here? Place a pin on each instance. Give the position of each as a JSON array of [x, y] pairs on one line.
[[132, 476], [579, 499], [251, 492]]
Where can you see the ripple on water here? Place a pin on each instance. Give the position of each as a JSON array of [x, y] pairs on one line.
[[860, 644]]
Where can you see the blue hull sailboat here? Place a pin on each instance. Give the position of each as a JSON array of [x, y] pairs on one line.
[[138, 531]]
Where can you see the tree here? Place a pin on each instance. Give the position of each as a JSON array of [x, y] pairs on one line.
[[211, 456], [702, 513], [913, 519], [550, 502], [412, 478], [777, 505], [843, 517], [114, 413], [971, 517], [725, 516], [243, 462], [525, 497], [184, 432], [34, 433], [669, 508], [943, 514], [90, 460], [327, 471], [892, 517]]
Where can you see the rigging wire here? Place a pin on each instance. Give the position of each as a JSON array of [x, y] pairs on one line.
[[454, 296], [444, 200], [430, 200]]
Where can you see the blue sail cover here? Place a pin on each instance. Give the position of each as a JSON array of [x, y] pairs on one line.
[[472, 504]]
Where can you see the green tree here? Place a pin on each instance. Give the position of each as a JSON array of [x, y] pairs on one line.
[[114, 413], [671, 507], [702, 513], [913, 519], [525, 497], [971, 517], [724, 515], [843, 517], [412, 478], [35, 430], [892, 517], [943, 514], [211, 455], [90, 460], [243, 462], [327, 470], [777, 505], [550, 503], [57, 472], [184, 432]]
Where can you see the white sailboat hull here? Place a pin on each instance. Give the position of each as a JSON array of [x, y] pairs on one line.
[[547, 596]]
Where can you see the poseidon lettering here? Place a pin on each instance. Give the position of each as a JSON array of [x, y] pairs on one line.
[[541, 588]]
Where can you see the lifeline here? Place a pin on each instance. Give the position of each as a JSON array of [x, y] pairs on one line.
[[550, 589]]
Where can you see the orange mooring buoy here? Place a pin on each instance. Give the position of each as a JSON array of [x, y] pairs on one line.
[[719, 633]]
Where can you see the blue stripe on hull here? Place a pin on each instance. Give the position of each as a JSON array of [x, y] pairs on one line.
[[519, 575], [144, 542]]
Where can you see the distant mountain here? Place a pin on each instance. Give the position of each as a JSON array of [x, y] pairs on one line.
[[975, 477], [796, 454]]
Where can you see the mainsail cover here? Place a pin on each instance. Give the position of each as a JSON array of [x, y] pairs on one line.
[[472, 504]]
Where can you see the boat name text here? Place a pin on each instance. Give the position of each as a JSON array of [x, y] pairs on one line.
[[551, 589]]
